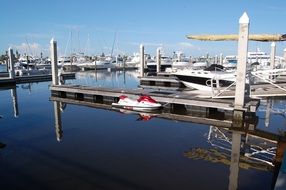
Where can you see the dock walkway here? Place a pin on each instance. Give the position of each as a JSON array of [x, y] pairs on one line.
[[6, 81], [175, 97]]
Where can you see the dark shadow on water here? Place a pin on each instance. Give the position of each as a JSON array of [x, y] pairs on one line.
[[93, 177]]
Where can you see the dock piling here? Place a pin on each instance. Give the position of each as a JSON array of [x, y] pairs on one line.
[[272, 55], [242, 61], [284, 55], [11, 64], [158, 60], [54, 61], [220, 58], [142, 60]]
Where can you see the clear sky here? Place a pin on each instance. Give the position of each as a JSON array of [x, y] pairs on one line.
[[92, 26]]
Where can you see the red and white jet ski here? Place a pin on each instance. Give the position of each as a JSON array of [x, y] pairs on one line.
[[143, 103]]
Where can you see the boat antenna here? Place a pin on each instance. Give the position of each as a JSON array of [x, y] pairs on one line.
[[113, 43], [28, 46], [68, 43]]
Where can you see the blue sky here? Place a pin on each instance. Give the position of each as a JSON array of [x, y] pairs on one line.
[[92, 26]]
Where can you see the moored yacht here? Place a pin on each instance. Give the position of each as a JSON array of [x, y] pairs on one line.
[[180, 60], [205, 79], [166, 62]]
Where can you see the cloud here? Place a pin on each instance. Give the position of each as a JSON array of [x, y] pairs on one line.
[[34, 36], [146, 44], [74, 26], [186, 45]]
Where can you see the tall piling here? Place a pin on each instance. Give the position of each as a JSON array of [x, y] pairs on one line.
[[242, 61], [142, 60], [54, 61], [284, 56], [272, 55], [11, 64], [158, 60], [220, 58]]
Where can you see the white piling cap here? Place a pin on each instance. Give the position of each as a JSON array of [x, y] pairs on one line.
[[244, 19], [273, 44], [52, 41], [141, 45]]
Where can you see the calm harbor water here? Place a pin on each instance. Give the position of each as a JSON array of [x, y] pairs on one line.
[[101, 149]]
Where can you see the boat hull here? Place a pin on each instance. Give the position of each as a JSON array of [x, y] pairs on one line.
[[137, 108]]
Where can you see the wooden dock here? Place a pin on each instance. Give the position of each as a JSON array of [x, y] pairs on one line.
[[165, 82], [94, 94], [6, 81], [161, 82]]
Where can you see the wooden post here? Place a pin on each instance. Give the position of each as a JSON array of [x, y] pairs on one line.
[[284, 55], [234, 162], [220, 58], [54, 61], [11, 64], [142, 60], [158, 59], [272, 55], [216, 59], [242, 61]]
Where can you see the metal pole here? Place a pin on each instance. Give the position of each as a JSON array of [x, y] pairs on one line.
[[54, 61], [142, 60], [11, 64], [158, 59], [242, 61]]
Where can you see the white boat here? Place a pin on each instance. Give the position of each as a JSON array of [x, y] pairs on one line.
[[143, 103], [133, 61], [180, 60], [207, 79], [230, 61], [259, 59], [166, 62], [105, 62]]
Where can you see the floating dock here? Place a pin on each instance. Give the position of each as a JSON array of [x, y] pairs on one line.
[[6, 81], [94, 94], [165, 82]]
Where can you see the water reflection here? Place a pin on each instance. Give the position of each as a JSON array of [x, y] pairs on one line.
[[118, 79], [58, 120], [142, 116], [15, 102], [239, 147]]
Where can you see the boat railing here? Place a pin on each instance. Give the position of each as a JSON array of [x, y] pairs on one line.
[[269, 76]]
